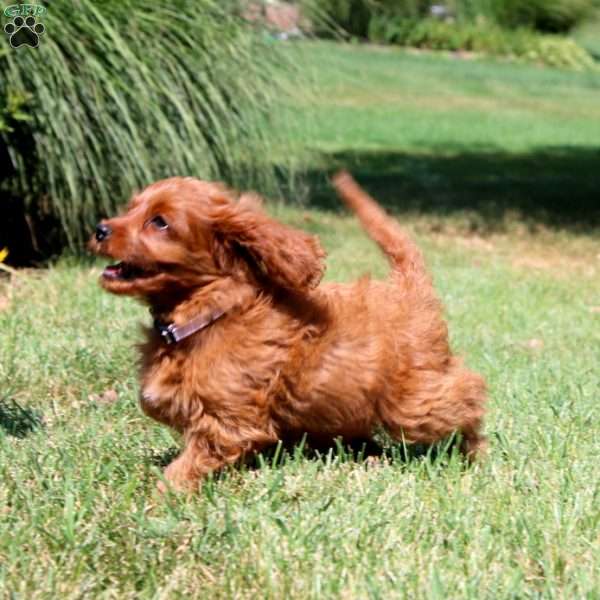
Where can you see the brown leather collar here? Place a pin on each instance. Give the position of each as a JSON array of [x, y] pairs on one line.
[[173, 334]]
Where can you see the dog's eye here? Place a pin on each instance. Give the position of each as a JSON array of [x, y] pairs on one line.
[[158, 222]]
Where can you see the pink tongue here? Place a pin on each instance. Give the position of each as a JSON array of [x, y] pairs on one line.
[[112, 271]]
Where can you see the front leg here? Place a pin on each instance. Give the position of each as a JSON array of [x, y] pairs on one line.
[[194, 462], [210, 446]]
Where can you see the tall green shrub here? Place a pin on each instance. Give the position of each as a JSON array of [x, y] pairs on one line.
[[354, 17], [554, 16], [119, 94]]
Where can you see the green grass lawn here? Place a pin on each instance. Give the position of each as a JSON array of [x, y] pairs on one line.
[[457, 137], [79, 517]]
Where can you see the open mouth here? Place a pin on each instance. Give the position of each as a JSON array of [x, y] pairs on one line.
[[125, 271]]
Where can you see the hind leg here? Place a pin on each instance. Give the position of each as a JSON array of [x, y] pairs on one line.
[[474, 444], [431, 405]]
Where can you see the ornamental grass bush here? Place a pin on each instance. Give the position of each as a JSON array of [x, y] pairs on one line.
[[119, 94]]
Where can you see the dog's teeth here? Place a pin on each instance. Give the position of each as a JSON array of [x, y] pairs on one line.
[[113, 271], [123, 270]]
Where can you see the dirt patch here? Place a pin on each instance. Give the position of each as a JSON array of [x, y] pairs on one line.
[[556, 261], [555, 253], [106, 397]]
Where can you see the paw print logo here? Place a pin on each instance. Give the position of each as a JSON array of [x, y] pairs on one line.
[[24, 32]]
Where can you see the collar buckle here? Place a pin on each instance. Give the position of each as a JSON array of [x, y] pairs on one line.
[[167, 332]]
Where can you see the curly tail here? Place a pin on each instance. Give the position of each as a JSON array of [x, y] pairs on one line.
[[401, 251]]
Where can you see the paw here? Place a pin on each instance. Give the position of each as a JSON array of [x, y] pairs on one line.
[[175, 481], [24, 32], [162, 487], [186, 487], [475, 449]]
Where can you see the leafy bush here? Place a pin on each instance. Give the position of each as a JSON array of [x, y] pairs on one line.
[[442, 35], [121, 93], [559, 52]]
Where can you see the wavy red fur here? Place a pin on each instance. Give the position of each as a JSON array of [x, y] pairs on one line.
[[290, 356]]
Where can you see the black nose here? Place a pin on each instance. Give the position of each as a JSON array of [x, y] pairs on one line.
[[102, 231]]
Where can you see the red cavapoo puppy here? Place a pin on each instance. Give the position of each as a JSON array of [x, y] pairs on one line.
[[247, 347]]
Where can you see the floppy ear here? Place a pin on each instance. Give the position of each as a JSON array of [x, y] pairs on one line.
[[288, 257]]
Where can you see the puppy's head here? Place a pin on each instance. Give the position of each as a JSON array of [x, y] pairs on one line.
[[182, 233]]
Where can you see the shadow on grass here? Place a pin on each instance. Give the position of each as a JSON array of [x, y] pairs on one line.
[[358, 451], [556, 187], [18, 421], [163, 459]]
